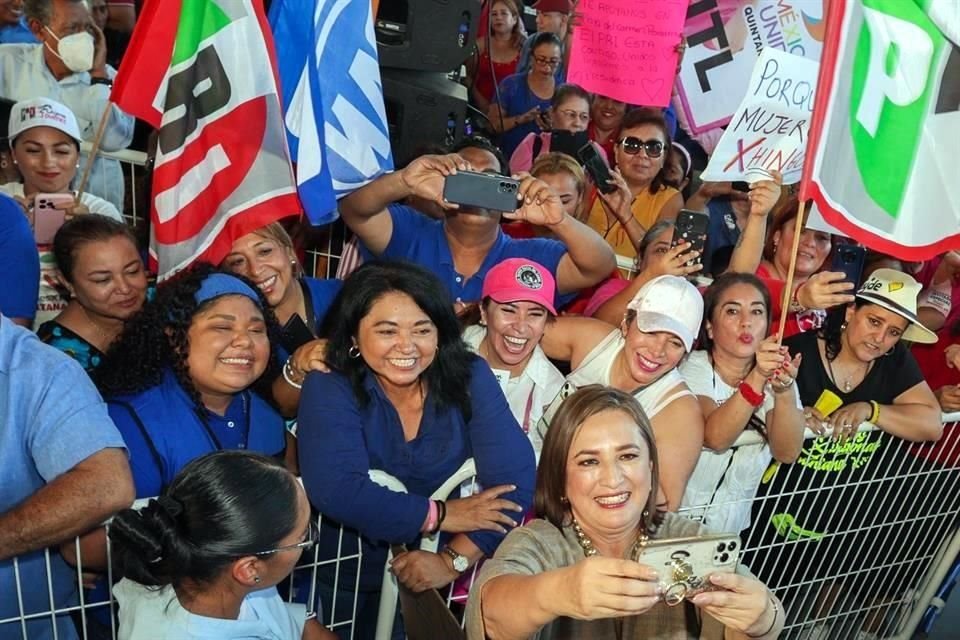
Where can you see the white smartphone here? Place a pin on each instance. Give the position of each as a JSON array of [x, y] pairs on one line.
[[684, 564]]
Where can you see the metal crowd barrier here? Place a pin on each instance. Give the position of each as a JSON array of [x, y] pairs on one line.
[[129, 160], [891, 538]]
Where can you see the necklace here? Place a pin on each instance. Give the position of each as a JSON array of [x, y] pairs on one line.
[[107, 336], [846, 386], [589, 550]]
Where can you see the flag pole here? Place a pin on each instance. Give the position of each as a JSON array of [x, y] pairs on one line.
[[788, 288], [94, 150]]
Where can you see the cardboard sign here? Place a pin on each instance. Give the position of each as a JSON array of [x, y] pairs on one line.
[[769, 129], [626, 49], [725, 38]]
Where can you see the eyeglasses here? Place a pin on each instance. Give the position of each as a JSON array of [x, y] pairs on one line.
[[313, 534], [576, 115], [632, 145], [549, 62]]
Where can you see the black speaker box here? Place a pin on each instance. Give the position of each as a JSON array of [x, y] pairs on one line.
[[426, 35], [423, 110]]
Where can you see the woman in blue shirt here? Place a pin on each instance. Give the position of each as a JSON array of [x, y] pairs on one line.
[[405, 396], [179, 379], [523, 97]]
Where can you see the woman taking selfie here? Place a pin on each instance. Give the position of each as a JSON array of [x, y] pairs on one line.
[[405, 396], [579, 571], [203, 560], [45, 140], [99, 265], [744, 381], [515, 308], [640, 357]]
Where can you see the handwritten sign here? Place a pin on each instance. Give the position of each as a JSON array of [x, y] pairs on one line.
[[724, 40], [769, 129], [626, 49]]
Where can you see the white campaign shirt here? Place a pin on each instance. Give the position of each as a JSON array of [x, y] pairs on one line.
[[722, 487], [24, 74], [157, 613], [527, 394]]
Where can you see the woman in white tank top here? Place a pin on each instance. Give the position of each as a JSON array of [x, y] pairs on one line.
[[641, 358]]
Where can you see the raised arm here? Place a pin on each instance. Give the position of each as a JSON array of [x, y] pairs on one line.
[[571, 338], [748, 251], [589, 259], [678, 430], [365, 210], [72, 503]]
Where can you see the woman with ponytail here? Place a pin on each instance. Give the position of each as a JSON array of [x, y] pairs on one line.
[[203, 559]]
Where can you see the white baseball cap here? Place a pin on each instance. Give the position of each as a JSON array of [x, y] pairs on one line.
[[42, 112], [671, 304]]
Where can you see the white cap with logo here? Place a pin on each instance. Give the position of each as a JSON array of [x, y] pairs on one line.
[[671, 304], [42, 112]]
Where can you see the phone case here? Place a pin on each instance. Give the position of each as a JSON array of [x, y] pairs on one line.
[[684, 564], [849, 259], [46, 222], [596, 167], [691, 227], [484, 190]]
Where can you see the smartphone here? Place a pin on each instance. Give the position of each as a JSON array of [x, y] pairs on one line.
[[47, 217], [295, 333], [849, 259], [740, 186], [599, 171], [685, 564], [568, 142], [691, 226], [489, 191]]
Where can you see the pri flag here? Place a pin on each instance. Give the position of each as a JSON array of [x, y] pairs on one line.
[[882, 165], [333, 99], [205, 79]]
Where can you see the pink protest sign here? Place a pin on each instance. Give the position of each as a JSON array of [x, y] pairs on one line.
[[626, 49]]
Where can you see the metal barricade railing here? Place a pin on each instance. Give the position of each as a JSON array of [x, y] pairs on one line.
[[129, 160], [890, 539]]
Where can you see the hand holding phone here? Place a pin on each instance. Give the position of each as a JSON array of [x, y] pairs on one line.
[[597, 169], [849, 259], [685, 564], [489, 191], [691, 227], [49, 214]]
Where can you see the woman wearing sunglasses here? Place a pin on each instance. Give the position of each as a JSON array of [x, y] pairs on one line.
[[641, 198], [203, 560]]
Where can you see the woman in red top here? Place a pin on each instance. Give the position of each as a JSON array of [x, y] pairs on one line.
[[814, 291], [507, 34]]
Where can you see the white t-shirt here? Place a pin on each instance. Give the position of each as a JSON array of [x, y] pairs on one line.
[[147, 613], [528, 394], [92, 202], [722, 487]]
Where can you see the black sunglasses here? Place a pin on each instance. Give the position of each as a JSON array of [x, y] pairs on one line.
[[632, 145]]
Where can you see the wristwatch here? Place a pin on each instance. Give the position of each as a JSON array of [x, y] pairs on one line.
[[460, 562]]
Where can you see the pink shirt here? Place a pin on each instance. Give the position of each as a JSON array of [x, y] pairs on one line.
[[522, 158]]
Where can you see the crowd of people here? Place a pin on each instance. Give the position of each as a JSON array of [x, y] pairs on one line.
[[597, 368]]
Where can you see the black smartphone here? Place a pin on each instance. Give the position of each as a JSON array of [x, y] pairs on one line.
[[849, 259], [568, 142], [596, 167], [691, 226], [741, 186], [483, 190], [295, 333]]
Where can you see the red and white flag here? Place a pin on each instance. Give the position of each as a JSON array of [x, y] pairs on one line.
[[886, 125], [203, 73]]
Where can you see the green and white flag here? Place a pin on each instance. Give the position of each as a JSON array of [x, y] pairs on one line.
[[882, 160]]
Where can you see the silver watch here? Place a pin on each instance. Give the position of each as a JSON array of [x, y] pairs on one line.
[[460, 562]]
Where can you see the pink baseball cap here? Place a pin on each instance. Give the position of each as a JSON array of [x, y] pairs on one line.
[[519, 279]]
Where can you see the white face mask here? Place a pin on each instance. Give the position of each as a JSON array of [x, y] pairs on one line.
[[75, 50]]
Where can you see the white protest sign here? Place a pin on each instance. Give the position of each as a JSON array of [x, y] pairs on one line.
[[725, 38], [768, 130]]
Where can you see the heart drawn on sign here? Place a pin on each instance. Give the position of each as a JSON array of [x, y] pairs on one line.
[[652, 87]]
